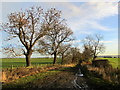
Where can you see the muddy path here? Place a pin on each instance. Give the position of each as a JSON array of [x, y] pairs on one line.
[[80, 82], [64, 79]]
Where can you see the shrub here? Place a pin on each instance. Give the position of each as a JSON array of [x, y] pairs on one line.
[[101, 63]]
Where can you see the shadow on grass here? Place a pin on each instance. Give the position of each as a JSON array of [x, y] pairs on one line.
[[73, 70]]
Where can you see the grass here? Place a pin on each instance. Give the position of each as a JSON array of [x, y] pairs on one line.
[[20, 62], [114, 61], [23, 82]]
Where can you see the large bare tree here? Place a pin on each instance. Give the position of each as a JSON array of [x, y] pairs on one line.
[[94, 44], [58, 32], [27, 26]]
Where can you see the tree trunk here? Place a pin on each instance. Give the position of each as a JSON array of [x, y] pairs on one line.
[[94, 57], [62, 59], [28, 56], [72, 59], [55, 55]]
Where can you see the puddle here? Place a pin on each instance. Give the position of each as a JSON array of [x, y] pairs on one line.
[[79, 81]]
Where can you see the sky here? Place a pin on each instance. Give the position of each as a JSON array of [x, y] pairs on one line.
[[84, 18]]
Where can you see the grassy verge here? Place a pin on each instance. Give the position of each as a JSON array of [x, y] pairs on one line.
[[24, 82], [61, 77]]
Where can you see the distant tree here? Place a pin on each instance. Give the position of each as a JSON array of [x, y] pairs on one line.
[[27, 26], [94, 44], [76, 55], [72, 55], [58, 32], [87, 53], [63, 50]]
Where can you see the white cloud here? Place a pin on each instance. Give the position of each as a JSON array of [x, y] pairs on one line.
[[91, 10], [84, 16], [101, 10], [106, 42], [75, 42], [88, 14], [85, 32], [98, 26]]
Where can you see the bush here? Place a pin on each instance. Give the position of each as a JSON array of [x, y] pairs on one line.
[[101, 63]]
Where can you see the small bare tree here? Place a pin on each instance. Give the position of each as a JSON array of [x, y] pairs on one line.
[[87, 53], [76, 55], [94, 44], [62, 51], [58, 32], [27, 26]]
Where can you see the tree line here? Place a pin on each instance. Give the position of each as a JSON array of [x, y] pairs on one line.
[[47, 32]]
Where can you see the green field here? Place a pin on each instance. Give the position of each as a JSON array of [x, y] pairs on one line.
[[19, 62]]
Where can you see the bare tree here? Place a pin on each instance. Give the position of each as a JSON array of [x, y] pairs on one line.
[[76, 55], [27, 27], [87, 53], [95, 44], [62, 51], [58, 32]]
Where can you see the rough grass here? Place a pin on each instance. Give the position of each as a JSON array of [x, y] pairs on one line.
[[20, 62], [16, 73], [96, 81]]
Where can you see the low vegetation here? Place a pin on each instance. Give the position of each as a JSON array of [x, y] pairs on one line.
[[102, 78]]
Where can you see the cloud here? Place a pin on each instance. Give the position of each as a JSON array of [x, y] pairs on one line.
[[88, 15], [75, 41], [98, 26], [85, 32], [102, 10], [106, 42], [90, 10], [81, 16]]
